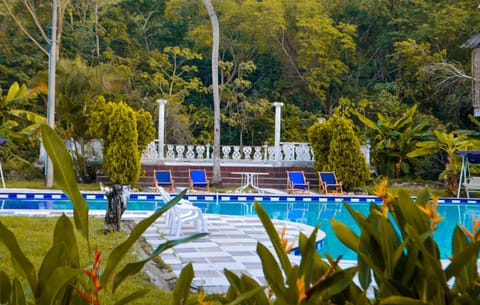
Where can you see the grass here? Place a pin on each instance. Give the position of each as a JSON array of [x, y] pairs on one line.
[[40, 184], [36, 238]]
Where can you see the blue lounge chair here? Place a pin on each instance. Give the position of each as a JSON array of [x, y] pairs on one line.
[[328, 183], [296, 182], [197, 179], [164, 179]]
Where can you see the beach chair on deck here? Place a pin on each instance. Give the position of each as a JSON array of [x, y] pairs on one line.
[[197, 179], [328, 183], [181, 213], [164, 179], [296, 182]]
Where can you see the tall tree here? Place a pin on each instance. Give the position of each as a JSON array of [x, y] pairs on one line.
[[217, 176]]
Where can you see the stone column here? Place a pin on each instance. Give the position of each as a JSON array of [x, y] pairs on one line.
[[161, 128], [278, 117]]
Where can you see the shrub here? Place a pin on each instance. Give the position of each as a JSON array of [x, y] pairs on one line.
[[125, 135], [337, 148]]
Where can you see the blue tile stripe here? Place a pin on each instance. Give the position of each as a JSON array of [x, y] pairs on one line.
[[11, 195]]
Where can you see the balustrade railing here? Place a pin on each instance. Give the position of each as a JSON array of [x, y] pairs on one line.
[[291, 152]]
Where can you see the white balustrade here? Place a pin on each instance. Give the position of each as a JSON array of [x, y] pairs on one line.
[[290, 152]]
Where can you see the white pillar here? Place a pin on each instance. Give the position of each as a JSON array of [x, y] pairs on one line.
[[161, 127], [278, 117]]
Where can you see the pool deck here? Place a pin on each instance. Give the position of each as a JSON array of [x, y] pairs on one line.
[[231, 244]]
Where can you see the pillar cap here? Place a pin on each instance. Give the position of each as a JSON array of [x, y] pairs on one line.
[[278, 104], [160, 101]]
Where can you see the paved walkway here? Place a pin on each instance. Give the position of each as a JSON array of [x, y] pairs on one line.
[[231, 244]]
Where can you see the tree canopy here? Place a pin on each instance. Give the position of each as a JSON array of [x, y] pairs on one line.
[[308, 54]]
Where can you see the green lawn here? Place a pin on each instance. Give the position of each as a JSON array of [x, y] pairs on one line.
[[40, 184]]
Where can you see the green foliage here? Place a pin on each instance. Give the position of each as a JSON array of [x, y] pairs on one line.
[[393, 140], [313, 281], [146, 131], [59, 278], [125, 134], [17, 125], [449, 143], [397, 248], [337, 149]]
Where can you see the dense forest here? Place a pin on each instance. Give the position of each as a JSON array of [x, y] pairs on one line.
[[318, 57]]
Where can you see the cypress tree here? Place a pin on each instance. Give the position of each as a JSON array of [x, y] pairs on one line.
[[125, 135], [121, 158], [337, 149]]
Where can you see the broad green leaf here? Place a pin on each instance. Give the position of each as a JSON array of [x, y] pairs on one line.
[[132, 297], [18, 294], [400, 300], [5, 288], [234, 281], [55, 257], [13, 92], [182, 288], [345, 234], [64, 234], [65, 177], [245, 296], [334, 284], [307, 250], [369, 123], [59, 279], [121, 250], [133, 268], [19, 260], [462, 259], [271, 270], [274, 237]]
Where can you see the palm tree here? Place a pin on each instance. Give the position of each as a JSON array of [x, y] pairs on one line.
[[17, 125]]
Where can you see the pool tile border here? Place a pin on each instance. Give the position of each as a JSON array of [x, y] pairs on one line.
[[13, 194]]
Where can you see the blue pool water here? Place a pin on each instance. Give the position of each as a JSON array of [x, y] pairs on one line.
[[308, 210]]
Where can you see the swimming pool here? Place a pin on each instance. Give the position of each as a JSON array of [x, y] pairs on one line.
[[310, 210]]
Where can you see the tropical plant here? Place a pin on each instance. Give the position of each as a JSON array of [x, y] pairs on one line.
[[396, 250], [394, 139], [18, 126], [61, 278], [449, 143]]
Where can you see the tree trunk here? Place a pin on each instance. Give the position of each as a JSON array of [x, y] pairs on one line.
[[117, 203], [217, 176]]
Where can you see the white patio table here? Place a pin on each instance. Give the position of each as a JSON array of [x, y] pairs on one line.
[[249, 179]]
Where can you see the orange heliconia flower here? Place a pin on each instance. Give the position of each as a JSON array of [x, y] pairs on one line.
[[287, 247], [476, 226], [381, 191], [201, 297], [302, 295], [430, 209], [93, 274]]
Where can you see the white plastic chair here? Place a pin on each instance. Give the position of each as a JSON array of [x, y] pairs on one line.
[[181, 213]]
